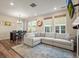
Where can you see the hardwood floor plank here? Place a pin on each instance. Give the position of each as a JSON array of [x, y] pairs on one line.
[[14, 54], [6, 51]]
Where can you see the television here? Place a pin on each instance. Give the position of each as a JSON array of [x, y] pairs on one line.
[[70, 8]]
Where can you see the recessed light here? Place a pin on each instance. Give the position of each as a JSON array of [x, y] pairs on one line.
[[11, 3], [55, 8]]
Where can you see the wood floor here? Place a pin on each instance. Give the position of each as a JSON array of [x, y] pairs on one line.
[[6, 51]]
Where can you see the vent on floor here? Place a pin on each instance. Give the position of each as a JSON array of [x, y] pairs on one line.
[[33, 5]]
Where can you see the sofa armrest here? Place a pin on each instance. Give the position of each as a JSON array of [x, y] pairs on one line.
[[71, 40], [72, 43]]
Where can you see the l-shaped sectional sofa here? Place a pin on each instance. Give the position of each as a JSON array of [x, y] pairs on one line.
[[59, 40]]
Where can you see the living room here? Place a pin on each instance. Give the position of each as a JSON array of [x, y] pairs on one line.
[[29, 29]]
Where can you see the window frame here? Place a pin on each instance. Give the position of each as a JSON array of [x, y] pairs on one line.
[[32, 26], [50, 28], [48, 23], [60, 32]]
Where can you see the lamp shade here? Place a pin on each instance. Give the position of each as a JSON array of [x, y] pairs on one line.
[[76, 23]]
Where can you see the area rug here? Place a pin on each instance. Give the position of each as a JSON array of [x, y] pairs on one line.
[[42, 51]]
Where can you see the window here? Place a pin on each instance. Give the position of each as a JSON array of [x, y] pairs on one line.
[[48, 29], [32, 26], [60, 24], [57, 29], [60, 29], [48, 25]]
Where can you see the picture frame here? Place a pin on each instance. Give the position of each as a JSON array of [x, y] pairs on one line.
[[7, 23]]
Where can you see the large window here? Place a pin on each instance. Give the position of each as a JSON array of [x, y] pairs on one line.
[[48, 28], [60, 29], [57, 30], [48, 25], [60, 24], [32, 26]]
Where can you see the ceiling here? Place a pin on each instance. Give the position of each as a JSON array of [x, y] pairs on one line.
[[21, 7]]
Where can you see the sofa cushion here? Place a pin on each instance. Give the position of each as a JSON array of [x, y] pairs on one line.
[[42, 34], [62, 41], [59, 41], [36, 39], [62, 36], [30, 34], [52, 35], [37, 34], [47, 38]]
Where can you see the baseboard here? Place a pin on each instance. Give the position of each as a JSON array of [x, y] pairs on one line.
[[5, 39]]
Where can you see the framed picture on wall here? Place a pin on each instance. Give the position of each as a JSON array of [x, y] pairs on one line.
[[7, 23]]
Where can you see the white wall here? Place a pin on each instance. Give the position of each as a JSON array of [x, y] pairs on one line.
[[5, 30]]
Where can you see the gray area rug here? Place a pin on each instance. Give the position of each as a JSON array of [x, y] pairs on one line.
[[43, 51]]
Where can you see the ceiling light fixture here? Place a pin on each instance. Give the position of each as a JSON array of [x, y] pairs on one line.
[[11, 3]]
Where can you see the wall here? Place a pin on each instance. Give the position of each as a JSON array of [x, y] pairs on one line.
[[69, 24], [5, 30], [68, 21], [40, 29]]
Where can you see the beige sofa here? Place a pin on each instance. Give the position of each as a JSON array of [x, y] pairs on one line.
[[59, 40], [31, 40], [59, 43]]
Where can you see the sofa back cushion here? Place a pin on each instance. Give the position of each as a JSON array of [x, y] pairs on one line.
[[37, 34], [52, 35], [30, 34], [42, 34], [63, 36]]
